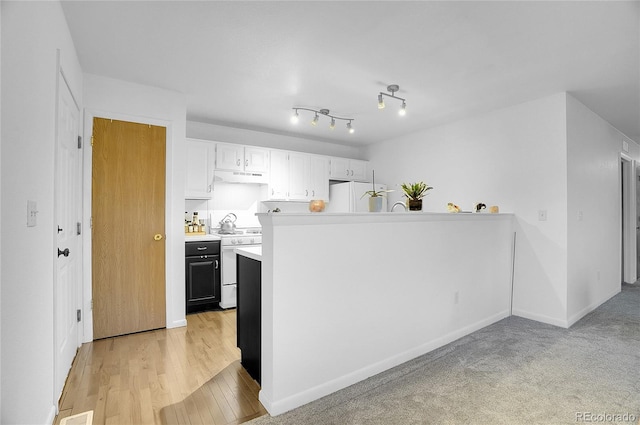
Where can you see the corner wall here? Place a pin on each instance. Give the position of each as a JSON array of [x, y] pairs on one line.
[[515, 158], [32, 33], [594, 205], [110, 98]]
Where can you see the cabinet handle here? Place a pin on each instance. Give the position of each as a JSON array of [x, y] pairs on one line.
[[352, 172], [313, 193], [272, 192], [216, 264], [306, 192], [246, 162], [209, 188], [238, 162], [201, 248]]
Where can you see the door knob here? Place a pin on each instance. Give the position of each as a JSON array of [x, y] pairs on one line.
[[157, 237], [65, 252]]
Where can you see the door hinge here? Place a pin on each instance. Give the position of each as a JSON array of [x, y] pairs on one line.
[[78, 228], [79, 314], [91, 141], [79, 142]]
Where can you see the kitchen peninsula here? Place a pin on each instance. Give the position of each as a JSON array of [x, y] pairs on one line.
[[346, 296]]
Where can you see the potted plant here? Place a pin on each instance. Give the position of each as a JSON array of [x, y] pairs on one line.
[[375, 196], [414, 192]]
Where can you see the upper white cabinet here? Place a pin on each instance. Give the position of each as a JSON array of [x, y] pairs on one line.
[[200, 166], [297, 176], [348, 169], [241, 158], [319, 177]]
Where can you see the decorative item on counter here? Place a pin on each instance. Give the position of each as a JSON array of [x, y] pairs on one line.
[[493, 209], [316, 205], [375, 196], [414, 192], [453, 208], [479, 207]]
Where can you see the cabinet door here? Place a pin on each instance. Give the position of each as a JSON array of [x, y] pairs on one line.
[[358, 170], [319, 177], [299, 176], [279, 175], [199, 170], [339, 169], [202, 282], [229, 157], [256, 160]]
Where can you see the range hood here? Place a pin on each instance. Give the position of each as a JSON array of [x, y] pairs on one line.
[[220, 176]]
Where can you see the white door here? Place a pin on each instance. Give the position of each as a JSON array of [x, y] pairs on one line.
[[68, 258]]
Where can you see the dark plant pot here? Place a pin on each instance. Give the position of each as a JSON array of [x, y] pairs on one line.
[[415, 204]]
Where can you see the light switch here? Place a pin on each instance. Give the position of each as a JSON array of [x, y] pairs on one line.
[[32, 213]]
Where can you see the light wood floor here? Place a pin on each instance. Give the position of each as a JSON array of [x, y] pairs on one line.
[[189, 375]]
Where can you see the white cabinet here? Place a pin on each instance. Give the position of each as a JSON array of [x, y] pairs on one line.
[[319, 177], [297, 176], [200, 166], [348, 169], [241, 158], [279, 175]]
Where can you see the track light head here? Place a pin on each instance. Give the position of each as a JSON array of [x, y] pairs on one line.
[[295, 117], [403, 109], [380, 101], [314, 122], [350, 128], [333, 123]]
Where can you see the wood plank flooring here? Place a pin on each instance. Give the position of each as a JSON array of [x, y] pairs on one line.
[[189, 375]]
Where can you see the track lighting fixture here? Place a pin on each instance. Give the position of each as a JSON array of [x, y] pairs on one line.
[[393, 88], [318, 113], [295, 118]]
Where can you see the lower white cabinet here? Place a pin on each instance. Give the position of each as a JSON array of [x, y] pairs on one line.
[[297, 176]]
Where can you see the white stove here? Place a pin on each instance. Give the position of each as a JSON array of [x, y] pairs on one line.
[[228, 243], [239, 237]]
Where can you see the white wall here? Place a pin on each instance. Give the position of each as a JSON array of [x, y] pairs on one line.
[[109, 98], [346, 296], [515, 158], [32, 32], [198, 130], [594, 221]]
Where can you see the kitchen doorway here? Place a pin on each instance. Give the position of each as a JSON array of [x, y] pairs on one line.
[[128, 234], [629, 226]]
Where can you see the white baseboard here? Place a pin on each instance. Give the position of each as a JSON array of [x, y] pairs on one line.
[[541, 318], [588, 309], [177, 324], [277, 407]]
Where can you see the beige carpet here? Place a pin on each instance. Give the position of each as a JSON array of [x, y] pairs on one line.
[[516, 371]]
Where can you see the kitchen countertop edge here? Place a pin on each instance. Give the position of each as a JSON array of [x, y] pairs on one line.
[[253, 252], [202, 238]]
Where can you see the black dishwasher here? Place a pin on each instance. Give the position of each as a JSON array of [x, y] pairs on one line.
[[202, 276]]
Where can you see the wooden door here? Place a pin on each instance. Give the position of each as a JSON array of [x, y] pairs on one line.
[[128, 216], [69, 258]]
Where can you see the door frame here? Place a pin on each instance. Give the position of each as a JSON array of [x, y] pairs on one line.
[[89, 115], [628, 237]]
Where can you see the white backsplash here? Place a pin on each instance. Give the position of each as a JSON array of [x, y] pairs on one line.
[[243, 200]]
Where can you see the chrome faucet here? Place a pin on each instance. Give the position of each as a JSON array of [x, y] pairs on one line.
[[399, 203]]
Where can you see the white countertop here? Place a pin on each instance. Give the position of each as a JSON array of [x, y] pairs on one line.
[[253, 252], [201, 238]]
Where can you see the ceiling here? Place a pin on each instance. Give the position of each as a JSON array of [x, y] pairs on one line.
[[247, 64]]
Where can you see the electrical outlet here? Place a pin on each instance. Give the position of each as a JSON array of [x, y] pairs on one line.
[[32, 213], [542, 215]]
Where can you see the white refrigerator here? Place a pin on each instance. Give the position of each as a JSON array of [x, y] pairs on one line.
[[348, 197]]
